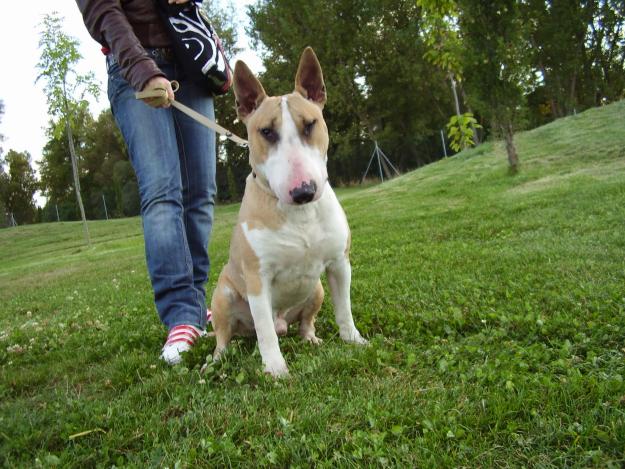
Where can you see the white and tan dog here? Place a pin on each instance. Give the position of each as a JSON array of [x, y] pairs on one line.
[[291, 227]]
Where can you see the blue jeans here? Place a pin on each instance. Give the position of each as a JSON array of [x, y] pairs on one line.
[[174, 161]]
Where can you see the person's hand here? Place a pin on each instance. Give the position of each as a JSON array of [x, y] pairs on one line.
[[159, 83], [178, 2]]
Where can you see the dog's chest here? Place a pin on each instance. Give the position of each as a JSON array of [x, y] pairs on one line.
[[293, 257]]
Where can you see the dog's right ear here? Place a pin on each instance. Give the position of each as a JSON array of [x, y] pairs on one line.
[[248, 91]]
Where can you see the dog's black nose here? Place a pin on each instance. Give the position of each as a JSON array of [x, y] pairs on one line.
[[304, 193]]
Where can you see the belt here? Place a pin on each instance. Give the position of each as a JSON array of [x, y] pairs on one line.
[[158, 54], [161, 53]]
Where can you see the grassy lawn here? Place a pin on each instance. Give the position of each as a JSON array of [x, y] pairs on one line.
[[494, 305]]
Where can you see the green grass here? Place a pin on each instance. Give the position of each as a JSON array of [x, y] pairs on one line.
[[494, 305]]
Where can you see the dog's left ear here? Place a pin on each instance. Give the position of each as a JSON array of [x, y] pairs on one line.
[[309, 79]]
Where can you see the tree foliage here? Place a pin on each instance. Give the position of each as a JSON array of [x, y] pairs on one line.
[[106, 175], [18, 186], [55, 166], [107, 170], [388, 67], [65, 89], [568, 55], [372, 58], [578, 50], [441, 33]]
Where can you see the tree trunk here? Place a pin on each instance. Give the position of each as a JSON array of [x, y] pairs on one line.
[[554, 108], [455, 92], [72, 153], [572, 100], [513, 158], [456, 101], [476, 136]]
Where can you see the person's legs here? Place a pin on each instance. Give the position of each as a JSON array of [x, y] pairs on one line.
[[151, 139]]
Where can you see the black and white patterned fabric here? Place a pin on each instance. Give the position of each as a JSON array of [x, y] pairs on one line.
[[196, 45]]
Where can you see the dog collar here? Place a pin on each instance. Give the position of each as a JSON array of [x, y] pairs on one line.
[[264, 187]]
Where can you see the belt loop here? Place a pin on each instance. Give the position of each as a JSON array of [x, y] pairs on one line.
[[110, 61]]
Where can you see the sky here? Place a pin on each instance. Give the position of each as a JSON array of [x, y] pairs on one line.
[[25, 110]]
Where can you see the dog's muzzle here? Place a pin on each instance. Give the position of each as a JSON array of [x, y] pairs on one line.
[[304, 193]]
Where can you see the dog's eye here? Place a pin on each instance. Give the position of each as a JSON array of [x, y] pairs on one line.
[[308, 127], [270, 135]]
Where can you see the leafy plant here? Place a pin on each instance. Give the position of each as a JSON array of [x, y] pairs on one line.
[[460, 130]]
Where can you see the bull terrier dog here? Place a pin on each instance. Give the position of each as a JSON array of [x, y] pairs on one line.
[[291, 227]]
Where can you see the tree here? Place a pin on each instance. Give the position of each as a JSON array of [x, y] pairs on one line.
[[496, 64], [18, 186], [445, 50], [65, 89]]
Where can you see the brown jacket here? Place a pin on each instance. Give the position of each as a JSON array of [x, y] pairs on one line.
[[125, 27]]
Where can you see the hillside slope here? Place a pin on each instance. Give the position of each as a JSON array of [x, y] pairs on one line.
[[494, 305]]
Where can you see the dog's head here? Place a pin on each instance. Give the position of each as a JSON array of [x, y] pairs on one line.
[[288, 138]]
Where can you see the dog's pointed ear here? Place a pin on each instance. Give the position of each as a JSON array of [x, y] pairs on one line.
[[309, 79], [248, 91]]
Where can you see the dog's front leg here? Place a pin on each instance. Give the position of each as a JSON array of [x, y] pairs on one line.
[[268, 344], [339, 279]]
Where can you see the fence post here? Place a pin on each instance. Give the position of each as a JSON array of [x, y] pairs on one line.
[[106, 213], [443, 140]]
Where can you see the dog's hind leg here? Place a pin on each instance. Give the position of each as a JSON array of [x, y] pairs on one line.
[[309, 314]]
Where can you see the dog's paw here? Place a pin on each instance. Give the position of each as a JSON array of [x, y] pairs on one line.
[[354, 337], [312, 339], [217, 354], [277, 370]]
